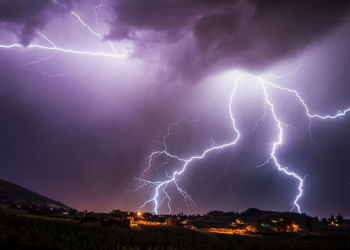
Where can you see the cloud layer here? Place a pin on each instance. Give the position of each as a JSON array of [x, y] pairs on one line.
[[26, 19], [198, 37], [225, 34]]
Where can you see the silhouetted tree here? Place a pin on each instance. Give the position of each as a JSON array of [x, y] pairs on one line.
[[259, 221], [72, 211], [147, 215], [215, 213], [340, 218], [308, 223], [119, 214], [324, 220], [258, 225], [331, 219]]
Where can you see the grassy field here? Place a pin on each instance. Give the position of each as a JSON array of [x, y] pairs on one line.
[[205, 223], [24, 232]]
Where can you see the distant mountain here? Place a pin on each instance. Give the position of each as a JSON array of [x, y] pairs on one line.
[[11, 193], [255, 213]]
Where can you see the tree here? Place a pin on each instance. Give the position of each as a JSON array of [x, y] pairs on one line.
[[259, 221], [308, 223], [324, 220], [258, 226], [340, 218], [72, 211], [116, 213]]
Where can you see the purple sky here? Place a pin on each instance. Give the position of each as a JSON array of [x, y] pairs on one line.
[[79, 128]]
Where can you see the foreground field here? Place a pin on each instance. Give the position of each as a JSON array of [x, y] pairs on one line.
[[23, 232]]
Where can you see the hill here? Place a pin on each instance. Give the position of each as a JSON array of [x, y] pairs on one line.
[[11, 193], [255, 213]]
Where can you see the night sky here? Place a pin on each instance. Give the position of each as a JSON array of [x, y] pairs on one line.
[[78, 128]]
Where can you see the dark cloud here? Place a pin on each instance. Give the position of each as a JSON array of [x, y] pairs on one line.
[[25, 19], [227, 34], [170, 18]]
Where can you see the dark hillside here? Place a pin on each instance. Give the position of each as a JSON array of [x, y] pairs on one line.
[[11, 193]]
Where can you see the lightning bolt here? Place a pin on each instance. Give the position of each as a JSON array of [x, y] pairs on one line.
[[161, 186], [339, 113], [288, 73], [96, 16], [260, 121], [98, 34], [273, 156], [65, 73], [56, 49], [45, 58], [276, 145]]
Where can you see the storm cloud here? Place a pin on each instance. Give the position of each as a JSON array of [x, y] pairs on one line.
[[25, 20], [213, 36]]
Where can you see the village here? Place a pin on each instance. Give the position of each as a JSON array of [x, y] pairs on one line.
[[252, 222]]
